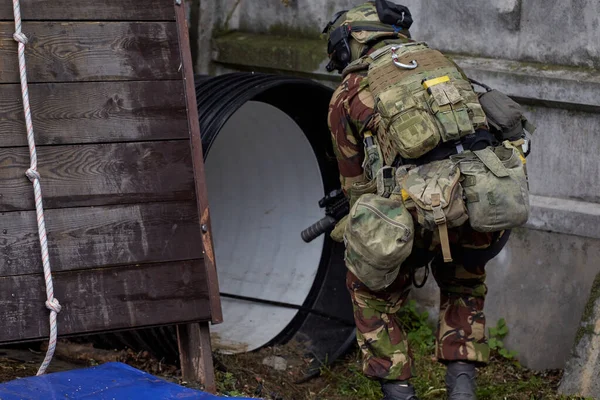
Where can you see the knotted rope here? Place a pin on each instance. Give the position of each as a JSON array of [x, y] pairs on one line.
[[34, 176]]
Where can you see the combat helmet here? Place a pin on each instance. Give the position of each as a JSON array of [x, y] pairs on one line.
[[352, 32]]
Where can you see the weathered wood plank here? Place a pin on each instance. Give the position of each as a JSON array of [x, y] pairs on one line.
[[92, 51], [195, 354], [91, 237], [121, 10], [96, 175], [94, 112], [105, 299], [198, 162]]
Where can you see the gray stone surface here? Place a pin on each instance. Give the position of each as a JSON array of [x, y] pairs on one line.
[[546, 31], [540, 284], [564, 216], [275, 362], [204, 27], [552, 84], [564, 159], [582, 372]]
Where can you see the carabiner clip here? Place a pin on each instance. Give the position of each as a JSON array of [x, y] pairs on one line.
[[413, 64]]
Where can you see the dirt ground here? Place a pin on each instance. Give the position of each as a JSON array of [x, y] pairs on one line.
[[247, 374]]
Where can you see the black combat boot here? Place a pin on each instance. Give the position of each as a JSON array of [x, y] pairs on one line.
[[398, 390], [460, 381]]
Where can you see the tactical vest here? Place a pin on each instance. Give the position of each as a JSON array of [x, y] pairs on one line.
[[422, 99]]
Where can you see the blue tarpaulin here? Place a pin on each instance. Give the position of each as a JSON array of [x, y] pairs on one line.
[[110, 381]]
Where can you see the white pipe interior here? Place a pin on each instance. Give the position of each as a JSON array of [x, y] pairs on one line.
[[263, 185]]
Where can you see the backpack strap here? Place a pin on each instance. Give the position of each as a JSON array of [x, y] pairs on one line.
[[362, 64], [441, 222]]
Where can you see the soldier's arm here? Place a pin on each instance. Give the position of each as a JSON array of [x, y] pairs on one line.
[[347, 147], [350, 115]]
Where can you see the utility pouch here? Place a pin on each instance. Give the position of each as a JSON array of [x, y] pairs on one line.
[[438, 197], [373, 159], [407, 128], [506, 117], [495, 184], [448, 107]]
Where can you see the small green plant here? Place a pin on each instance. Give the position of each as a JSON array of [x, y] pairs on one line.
[[226, 384], [416, 325], [495, 341]]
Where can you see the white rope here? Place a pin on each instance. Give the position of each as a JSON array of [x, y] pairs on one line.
[[51, 303]]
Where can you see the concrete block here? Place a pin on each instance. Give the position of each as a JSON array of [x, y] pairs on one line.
[[545, 31], [564, 216], [582, 372]]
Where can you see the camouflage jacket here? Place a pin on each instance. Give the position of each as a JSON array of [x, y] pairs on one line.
[[351, 114]]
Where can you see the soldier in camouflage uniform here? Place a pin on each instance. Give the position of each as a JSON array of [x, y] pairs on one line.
[[461, 342]]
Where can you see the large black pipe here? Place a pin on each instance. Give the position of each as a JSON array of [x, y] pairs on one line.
[[324, 320]]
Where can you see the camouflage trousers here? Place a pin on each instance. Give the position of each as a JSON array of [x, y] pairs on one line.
[[386, 353]]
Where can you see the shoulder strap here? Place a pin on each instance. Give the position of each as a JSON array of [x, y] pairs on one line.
[[361, 64], [492, 162]]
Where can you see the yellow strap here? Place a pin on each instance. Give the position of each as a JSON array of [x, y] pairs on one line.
[[436, 81], [405, 195], [523, 160]]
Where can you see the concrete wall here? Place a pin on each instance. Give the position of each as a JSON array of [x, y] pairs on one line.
[[542, 52]]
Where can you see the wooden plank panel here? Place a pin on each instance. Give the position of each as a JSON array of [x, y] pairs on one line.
[[95, 175], [198, 159], [92, 51], [122, 10], [80, 238], [103, 299], [94, 112]]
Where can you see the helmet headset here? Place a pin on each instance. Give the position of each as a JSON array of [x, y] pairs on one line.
[[393, 18]]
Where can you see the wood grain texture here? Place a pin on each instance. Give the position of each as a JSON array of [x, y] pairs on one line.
[[84, 238], [121, 10], [198, 162], [90, 112], [100, 174], [105, 299], [92, 51], [195, 354]]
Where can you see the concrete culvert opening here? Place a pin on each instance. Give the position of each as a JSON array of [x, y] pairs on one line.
[[268, 161]]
